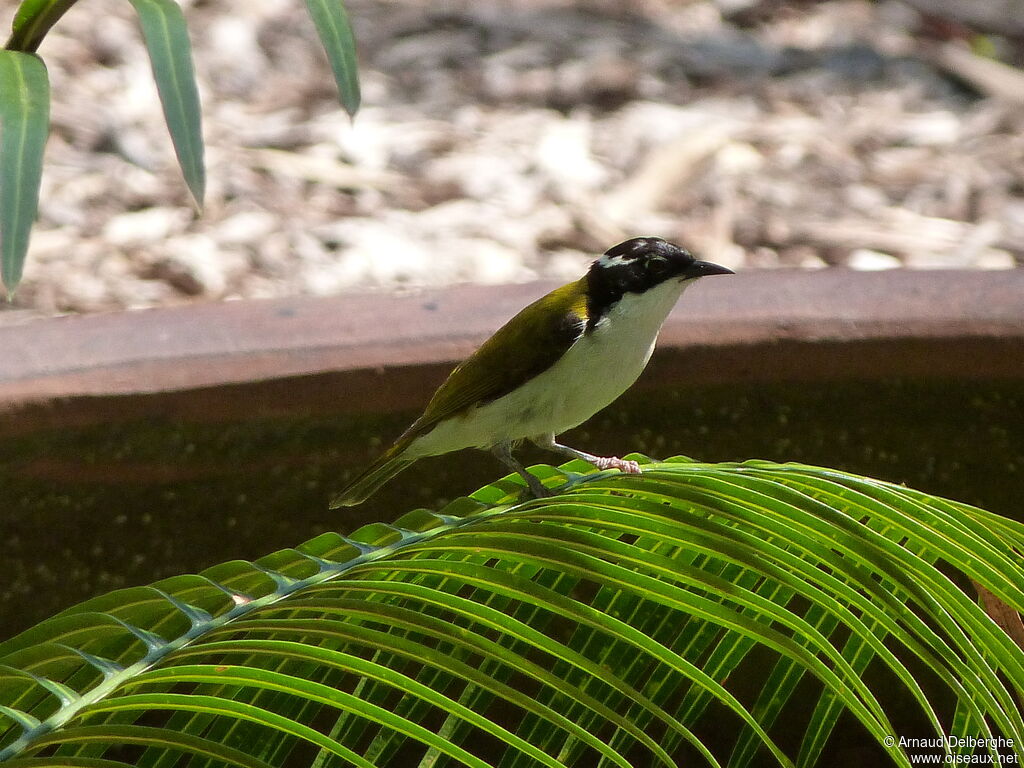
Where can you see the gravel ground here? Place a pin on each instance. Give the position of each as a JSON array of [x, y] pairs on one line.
[[507, 140]]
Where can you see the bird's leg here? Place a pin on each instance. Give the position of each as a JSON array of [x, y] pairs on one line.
[[601, 462], [504, 453]]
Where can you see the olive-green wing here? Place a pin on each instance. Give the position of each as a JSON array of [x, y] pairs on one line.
[[539, 335]]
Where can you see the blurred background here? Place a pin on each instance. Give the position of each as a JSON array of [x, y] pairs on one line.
[[509, 140]]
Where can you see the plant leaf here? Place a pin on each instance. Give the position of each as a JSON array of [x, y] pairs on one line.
[[24, 125], [33, 20], [664, 619], [335, 32], [170, 52]]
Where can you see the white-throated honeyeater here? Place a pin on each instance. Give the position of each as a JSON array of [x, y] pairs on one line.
[[551, 367]]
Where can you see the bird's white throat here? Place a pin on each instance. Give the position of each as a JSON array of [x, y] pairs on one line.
[[637, 315]]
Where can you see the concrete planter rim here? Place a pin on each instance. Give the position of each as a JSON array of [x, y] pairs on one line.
[[754, 325]]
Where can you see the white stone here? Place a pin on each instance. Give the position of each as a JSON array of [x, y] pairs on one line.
[[868, 260], [150, 225]]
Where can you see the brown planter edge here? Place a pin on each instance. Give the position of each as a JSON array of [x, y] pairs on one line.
[[382, 351]]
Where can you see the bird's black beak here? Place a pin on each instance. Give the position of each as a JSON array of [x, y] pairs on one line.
[[705, 268]]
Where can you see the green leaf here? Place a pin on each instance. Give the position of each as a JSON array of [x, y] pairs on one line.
[[170, 52], [33, 20], [24, 125], [142, 736], [335, 32], [683, 616]]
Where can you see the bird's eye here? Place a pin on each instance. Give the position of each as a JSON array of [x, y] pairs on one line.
[[657, 266]]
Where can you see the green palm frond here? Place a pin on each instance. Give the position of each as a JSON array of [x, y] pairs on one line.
[[697, 614]]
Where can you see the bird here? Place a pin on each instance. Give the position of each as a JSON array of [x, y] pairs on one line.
[[551, 367]]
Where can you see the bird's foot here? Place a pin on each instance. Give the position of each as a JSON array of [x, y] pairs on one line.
[[530, 494], [536, 488], [625, 466]]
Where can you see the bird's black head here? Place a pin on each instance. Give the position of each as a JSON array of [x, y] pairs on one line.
[[641, 263]]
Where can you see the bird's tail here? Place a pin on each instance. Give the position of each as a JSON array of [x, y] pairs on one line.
[[390, 463]]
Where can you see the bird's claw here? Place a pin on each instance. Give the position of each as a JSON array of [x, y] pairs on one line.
[[535, 489], [625, 466], [541, 492]]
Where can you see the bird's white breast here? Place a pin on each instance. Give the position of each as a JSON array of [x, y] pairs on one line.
[[592, 373]]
